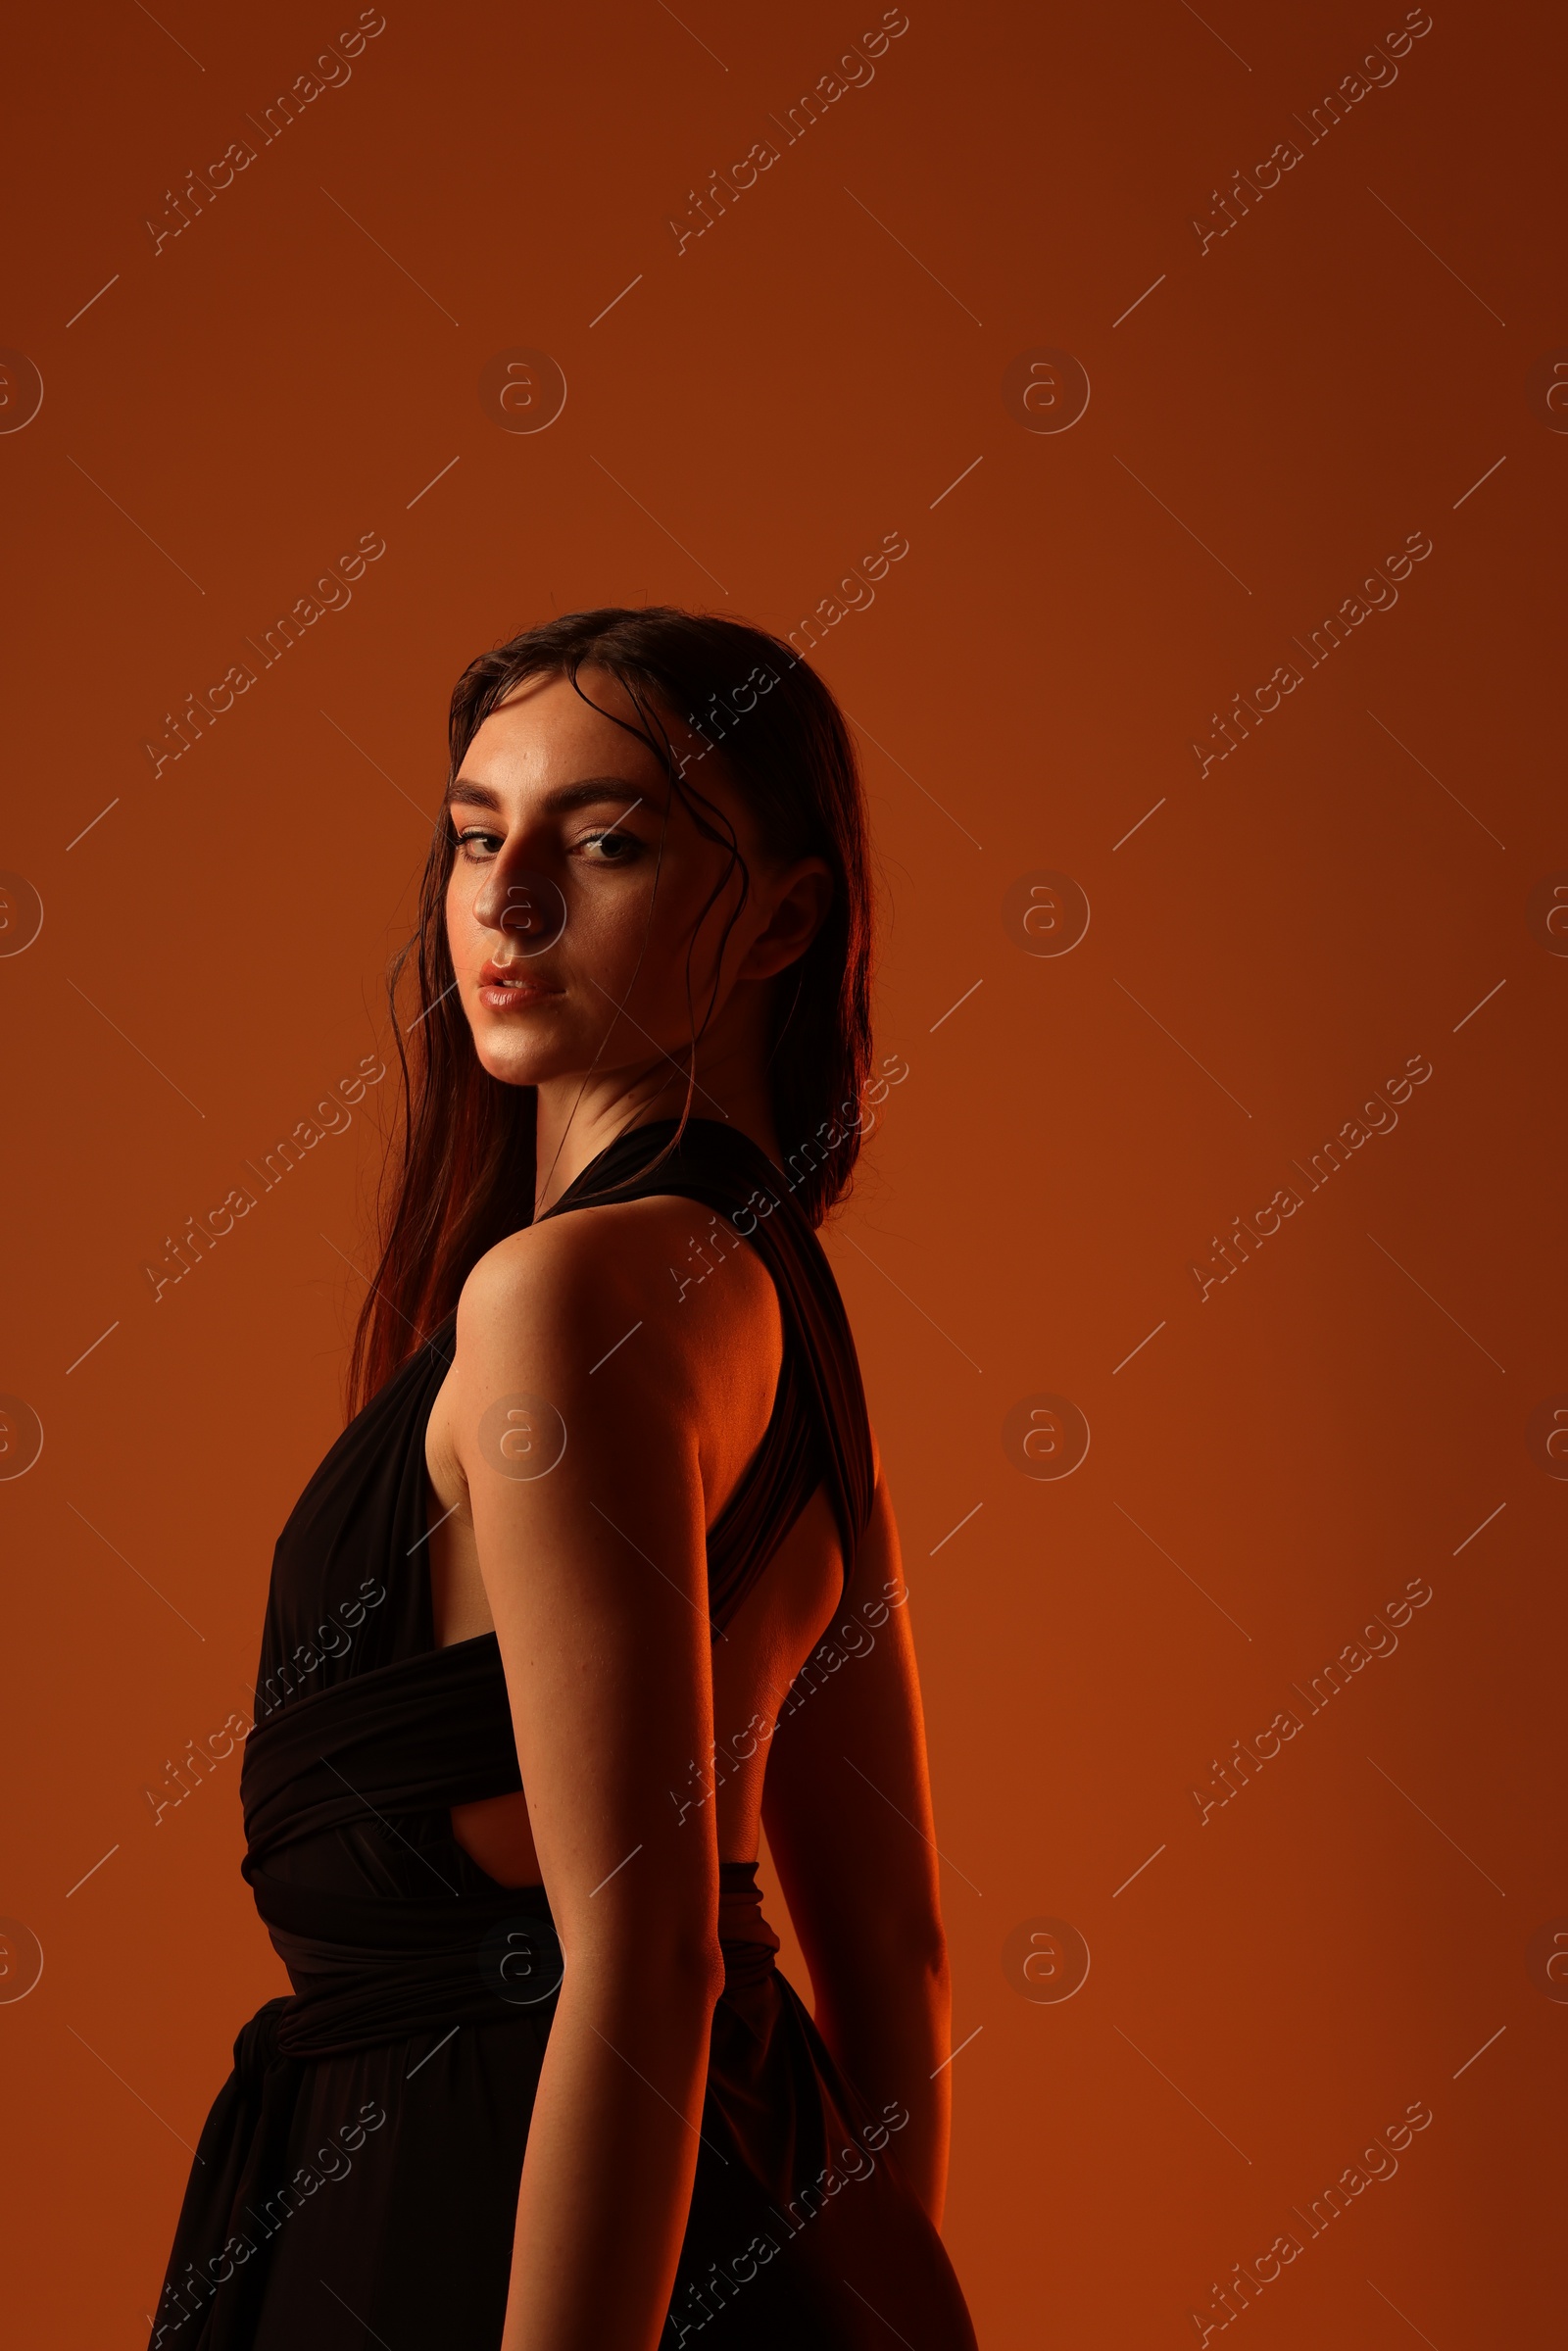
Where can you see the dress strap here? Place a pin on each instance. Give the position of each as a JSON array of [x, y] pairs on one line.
[[819, 1431]]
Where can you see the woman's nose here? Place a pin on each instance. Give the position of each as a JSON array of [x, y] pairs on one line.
[[523, 904]]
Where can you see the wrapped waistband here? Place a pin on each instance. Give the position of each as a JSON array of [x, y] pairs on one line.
[[368, 1971]]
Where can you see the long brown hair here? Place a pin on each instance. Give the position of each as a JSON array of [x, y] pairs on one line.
[[461, 1173]]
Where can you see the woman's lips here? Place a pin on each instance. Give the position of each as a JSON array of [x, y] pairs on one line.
[[501, 991]]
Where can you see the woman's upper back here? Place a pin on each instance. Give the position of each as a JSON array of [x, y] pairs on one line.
[[818, 1431], [352, 1583], [662, 1306]]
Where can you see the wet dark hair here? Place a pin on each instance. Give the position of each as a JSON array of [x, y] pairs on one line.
[[461, 1174]]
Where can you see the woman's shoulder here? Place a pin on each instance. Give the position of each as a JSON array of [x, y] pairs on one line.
[[662, 1263]]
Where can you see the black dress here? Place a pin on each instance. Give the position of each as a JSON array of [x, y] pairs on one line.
[[356, 2177]]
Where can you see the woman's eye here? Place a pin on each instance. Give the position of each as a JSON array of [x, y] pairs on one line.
[[618, 849], [476, 843]]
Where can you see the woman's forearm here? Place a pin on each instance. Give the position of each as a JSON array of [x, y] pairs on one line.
[[889, 2028], [612, 2142]]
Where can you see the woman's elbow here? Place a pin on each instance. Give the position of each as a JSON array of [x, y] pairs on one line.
[[695, 1969], [930, 1956], [920, 1943], [911, 1955], [676, 1972]]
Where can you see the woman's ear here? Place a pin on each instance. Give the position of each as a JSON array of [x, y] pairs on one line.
[[802, 896]]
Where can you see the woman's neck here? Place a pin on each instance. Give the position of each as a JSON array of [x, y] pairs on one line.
[[578, 1118]]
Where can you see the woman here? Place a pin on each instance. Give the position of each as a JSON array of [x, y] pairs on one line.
[[538, 1658]]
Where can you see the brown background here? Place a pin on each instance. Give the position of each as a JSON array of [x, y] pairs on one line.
[[1275, 416]]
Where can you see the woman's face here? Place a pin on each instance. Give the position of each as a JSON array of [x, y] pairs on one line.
[[578, 887]]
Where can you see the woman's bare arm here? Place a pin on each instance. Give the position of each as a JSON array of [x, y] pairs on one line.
[[595, 1573], [846, 1806]]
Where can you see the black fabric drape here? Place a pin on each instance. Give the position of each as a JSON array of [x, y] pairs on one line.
[[356, 2177]]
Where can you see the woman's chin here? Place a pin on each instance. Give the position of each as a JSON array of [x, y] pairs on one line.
[[511, 1063]]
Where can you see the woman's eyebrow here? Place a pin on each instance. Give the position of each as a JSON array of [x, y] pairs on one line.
[[591, 791]]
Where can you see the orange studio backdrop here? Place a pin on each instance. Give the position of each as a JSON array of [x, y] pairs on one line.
[[1154, 425]]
